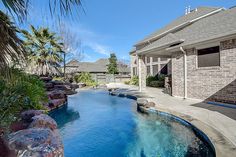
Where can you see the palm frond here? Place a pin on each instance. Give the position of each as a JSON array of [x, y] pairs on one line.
[[63, 6], [12, 50], [19, 7]]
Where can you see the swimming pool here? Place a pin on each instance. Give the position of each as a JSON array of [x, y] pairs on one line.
[[95, 124]]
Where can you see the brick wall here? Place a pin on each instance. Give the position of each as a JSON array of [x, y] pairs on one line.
[[142, 73], [134, 64], [211, 83], [177, 74]]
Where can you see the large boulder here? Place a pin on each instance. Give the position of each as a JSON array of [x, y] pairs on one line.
[[36, 142], [56, 103], [46, 79], [49, 86], [19, 125], [43, 121], [62, 87], [26, 116], [5, 150], [57, 82], [56, 94]]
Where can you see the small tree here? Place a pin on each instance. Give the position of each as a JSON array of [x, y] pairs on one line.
[[112, 66]]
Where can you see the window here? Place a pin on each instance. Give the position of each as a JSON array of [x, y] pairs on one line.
[[209, 57], [164, 69], [148, 59], [155, 59], [135, 71], [155, 69], [164, 59], [148, 70]]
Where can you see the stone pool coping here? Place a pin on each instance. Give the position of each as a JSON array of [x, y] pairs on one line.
[[222, 145]]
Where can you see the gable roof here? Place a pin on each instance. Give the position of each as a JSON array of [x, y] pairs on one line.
[[215, 26], [212, 27], [181, 22], [72, 63]]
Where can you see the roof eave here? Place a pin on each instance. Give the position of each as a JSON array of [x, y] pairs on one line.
[[159, 48], [226, 36]]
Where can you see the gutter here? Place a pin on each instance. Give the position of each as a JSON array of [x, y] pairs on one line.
[[185, 73]]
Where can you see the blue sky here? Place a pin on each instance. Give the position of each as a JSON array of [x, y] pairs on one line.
[[115, 25]]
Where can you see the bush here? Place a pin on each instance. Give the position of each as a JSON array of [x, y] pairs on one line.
[[85, 78], [156, 84], [156, 81], [19, 91], [127, 82], [58, 78], [150, 79], [134, 80]]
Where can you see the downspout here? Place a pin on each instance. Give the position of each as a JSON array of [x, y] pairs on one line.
[[185, 73]]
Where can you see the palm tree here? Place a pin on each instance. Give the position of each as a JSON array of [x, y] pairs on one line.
[[43, 49], [10, 45], [20, 7]]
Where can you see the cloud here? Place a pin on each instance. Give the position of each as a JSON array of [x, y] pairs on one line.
[[91, 39], [101, 49], [86, 56]]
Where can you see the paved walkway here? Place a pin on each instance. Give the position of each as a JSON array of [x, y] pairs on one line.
[[216, 121]]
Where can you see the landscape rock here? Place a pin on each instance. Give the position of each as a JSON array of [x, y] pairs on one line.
[[56, 94], [46, 79], [56, 102], [81, 85], [57, 82], [5, 150], [150, 104], [43, 121], [19, 125], [36, 142], [49, 86], [26, 116], [141, 102]]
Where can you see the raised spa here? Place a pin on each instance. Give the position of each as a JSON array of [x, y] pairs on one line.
[[95, 124]]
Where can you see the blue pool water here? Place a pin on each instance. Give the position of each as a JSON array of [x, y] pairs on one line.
[[95, 124]]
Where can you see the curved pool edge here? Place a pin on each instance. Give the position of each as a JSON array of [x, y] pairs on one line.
[[219, 143]]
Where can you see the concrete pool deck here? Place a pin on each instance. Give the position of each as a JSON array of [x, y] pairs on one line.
[[217, 122]]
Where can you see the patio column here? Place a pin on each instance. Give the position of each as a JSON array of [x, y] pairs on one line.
[[151, 67], [142, 69]]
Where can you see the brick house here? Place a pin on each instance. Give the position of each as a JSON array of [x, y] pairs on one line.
[[201, 46]]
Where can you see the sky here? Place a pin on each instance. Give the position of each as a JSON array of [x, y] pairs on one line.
[[114, 26]]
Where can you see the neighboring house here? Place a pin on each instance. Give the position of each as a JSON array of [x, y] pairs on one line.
[[98, 67], [202, 48]]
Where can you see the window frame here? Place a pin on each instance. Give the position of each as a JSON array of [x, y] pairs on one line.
[[205, 47]]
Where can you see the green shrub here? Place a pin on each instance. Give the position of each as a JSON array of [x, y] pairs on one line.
[[156, 84], [19, 91], [134, 81], [150, 79], [58, 78], [86, 78], [156, 81], [127, 82]]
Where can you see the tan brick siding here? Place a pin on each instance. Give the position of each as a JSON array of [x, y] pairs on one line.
[[210, 83]]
